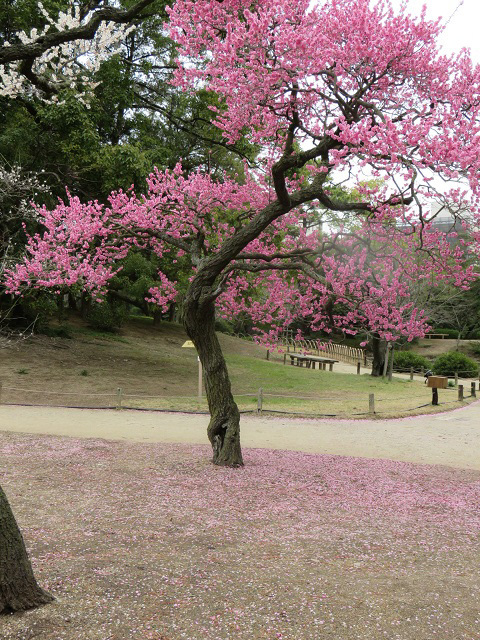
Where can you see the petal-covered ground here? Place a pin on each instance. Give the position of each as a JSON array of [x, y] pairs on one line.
[[152, 542]]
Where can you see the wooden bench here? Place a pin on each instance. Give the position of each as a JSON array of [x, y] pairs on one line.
[[436, 335], [310, 361]]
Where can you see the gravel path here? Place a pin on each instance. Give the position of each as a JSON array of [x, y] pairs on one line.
[[451, 438]]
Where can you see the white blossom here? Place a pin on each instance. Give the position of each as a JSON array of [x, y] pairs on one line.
[[70, 61]]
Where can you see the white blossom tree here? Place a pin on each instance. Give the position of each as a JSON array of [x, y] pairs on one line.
[[70, 47]]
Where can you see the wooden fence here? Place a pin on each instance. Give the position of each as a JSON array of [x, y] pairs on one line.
[[255, 403], [341, 352]]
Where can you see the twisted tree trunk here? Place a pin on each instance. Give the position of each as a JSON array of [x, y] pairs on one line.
[[224, 427], [18, 588], [199, 312]]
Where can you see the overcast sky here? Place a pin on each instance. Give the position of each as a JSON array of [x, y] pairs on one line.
[[463, 29]]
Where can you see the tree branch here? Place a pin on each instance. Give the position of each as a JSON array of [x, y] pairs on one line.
[[274, 256], [160, 235]]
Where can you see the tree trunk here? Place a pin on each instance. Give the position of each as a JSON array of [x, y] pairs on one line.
[[85, 305], [379, 349], [224, 427], [157, 317], [172, 310], [72, 302], [18, 588]]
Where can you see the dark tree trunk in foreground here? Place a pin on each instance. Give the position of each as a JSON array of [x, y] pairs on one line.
[[379, 349], [18, 588], [224, 428]]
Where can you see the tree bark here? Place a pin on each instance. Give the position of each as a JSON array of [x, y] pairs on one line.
[[379, 349], [172, 310], [224, 427], [85, 305], [157, 317], [18, 588]]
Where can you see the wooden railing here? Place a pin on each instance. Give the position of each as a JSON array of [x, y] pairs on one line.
[[341, 352]]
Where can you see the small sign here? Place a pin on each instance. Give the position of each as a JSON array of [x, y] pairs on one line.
[[437, 382], [188, 344]]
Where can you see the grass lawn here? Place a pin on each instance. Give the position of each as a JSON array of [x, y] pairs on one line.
[[154, 371]]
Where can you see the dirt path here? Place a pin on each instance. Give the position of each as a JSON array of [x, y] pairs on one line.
[[451, 438]]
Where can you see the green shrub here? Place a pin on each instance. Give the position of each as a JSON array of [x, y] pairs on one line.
[[63, 331], [224, 326], [454, 362], [242, 324], [474, 347], [37, 309], [404, 360], [108, 315]]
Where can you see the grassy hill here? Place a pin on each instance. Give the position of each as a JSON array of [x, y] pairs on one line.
[[433, 348], [153, 370]]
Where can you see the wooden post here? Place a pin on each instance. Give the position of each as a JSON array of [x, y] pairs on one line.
[[200, 377], [434, 395], [359, 366], [371, 403], [456, 378], [460, 391], [260, 400], [284, 358], [119, 398], [422, 372], [411, 373], [268, 354], [473, 390], [390, 365]]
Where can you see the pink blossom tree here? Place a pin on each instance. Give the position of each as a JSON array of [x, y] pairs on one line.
[[340, 89], [373, 278]]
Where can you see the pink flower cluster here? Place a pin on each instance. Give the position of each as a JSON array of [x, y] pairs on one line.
[[322, 88]]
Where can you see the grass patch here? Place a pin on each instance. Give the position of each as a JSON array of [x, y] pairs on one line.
[[97, 333], [154, 372], [302, 391]]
